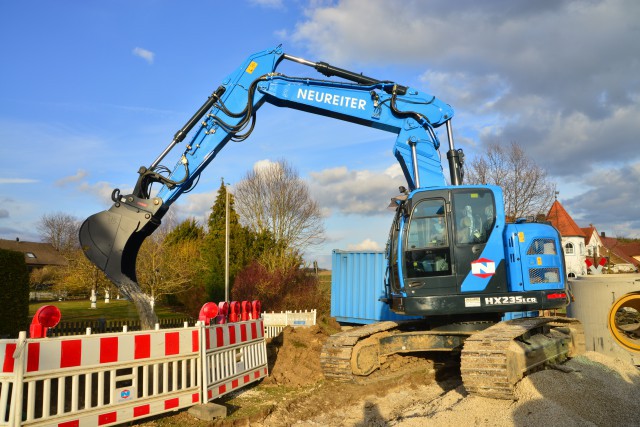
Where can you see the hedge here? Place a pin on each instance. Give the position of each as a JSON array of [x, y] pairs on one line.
[[14, 294]]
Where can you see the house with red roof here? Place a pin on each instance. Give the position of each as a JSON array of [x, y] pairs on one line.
[[573, 240], [622, 256], [592, 242], [582, 244], [632, 250]]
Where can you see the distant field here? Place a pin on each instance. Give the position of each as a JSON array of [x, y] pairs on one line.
[[115, 310]]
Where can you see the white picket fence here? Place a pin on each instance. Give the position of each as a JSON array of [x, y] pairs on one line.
[[108, 379], [274, 323]]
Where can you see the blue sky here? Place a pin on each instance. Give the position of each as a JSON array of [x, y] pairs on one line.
[[90, 91]]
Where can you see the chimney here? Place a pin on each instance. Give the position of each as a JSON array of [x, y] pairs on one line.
[[602, 234]]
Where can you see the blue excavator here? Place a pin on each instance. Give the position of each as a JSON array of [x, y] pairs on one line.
[[453, 259]]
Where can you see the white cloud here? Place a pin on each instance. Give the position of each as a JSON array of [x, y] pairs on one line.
[[609, 201], [266, 164], [466, 90], [145, 54], [511, 70], [17, 181], [79, 176], [273, 4], [365, 245], [535, 73], [394, 171], [195, 205], [102, 190], [360, 192]]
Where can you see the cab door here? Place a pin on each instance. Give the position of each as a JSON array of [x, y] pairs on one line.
[[427, 260], [474, 226]]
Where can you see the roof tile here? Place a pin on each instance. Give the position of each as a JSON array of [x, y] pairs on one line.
[[561, 220]]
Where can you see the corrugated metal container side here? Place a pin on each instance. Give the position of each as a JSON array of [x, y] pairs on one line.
[[357, 284]]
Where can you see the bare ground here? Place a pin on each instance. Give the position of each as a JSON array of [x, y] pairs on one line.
[[594, 390]]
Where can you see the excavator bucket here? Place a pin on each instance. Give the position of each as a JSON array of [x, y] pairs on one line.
[[111, 239]]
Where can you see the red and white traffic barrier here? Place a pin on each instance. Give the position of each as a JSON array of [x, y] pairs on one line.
[[274, 323], [235, 355], [107, 379]]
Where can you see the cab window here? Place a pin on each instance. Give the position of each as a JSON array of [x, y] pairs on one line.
[[427, 241], [475, 218]]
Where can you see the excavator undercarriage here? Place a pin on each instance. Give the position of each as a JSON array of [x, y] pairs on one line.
[[493, 357]]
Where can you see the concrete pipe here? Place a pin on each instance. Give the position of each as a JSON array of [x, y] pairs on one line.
[[624, 321], [608, 306]]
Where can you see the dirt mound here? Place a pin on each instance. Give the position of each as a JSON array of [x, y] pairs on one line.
[[294, 356], [591, 389], [594, 390]]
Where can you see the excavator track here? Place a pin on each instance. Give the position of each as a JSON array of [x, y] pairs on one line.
[[494, 360], [335, 358]]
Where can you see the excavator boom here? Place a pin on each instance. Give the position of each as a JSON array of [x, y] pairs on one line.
[[111, 239]]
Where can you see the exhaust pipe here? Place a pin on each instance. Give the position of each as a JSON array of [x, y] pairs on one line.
[[111, 239]]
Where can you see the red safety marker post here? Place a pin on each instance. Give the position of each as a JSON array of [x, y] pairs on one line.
[[256, 309], [234, 312], [208, 312], [223, 311], [46, 317], [246, 310]]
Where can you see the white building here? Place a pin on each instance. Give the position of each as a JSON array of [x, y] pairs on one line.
[[573, 240]]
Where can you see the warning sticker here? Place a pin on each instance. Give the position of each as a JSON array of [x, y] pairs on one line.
[[252, 66], [472, 302]]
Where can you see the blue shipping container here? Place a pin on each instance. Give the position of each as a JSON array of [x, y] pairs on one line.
[[357, 284]]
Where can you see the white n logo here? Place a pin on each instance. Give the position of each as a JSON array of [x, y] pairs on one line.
[[483, 267]]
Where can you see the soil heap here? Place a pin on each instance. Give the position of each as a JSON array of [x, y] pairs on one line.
[[592, 389]]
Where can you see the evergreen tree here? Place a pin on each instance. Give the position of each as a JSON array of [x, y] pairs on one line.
[[244, 246], [189, 229]]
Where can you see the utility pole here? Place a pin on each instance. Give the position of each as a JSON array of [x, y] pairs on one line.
[[226, 246]]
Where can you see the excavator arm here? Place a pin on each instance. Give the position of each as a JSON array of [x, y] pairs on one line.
[[111, 239]]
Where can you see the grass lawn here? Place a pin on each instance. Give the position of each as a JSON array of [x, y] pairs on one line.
[[115, 310]]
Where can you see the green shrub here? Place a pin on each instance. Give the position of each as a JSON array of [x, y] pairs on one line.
[[14, 294]]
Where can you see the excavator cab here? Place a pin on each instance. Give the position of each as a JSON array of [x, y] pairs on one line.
[[447, 254]]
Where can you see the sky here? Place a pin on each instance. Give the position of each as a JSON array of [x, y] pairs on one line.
[[92, 90]]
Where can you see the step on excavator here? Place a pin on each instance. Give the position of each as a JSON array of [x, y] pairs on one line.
[[454, 262]]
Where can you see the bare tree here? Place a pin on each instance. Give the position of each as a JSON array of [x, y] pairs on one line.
[[83, 276], [527, 190], [61, 230], [274, 199], [168, 268]]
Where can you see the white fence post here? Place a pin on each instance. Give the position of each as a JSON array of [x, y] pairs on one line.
[[15, 412], [203, 361]]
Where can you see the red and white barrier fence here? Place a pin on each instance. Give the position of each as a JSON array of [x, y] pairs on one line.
[[274, 323], [107, 379], [235, 355]]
